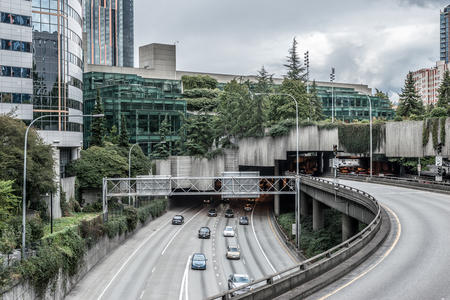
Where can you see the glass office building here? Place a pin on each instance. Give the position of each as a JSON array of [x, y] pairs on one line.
[[351, 105], [444, 34], [109, 28], [145, 102]]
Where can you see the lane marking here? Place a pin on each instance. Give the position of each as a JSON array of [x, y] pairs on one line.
[[186, 283], [142, 294], [134, 253], [259, 245], [153, 270], [286, 249], [183, 287], [397, 237], [178, 231]]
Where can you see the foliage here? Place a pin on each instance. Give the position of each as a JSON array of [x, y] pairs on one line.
[[204, 104], [162, 150], [438, 112], [40, 171], [113, 136], [443, 121], [96, 206], [154, 209], [264, 81], [398, 119], [8, 241], [197, 134], [411, 163], [410, 102], [295, 70], [432, 126], [73, 221], [380, 94], [116, 226], [131, 214], [315, 103], [91, 231], [282, 128], [314, 242], [198, 81], [282, 107], [201, 93], [444, 92], [123, 137], [98, 124], [9, 203], [355, 138], [97, 163]]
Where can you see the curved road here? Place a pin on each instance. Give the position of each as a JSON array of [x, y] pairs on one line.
[[154, 263], [414, 262]]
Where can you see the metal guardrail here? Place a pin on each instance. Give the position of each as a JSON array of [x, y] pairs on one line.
[[317, 261]]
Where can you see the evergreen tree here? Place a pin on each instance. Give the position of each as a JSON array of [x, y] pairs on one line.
[[113, 136], [294, 66], [124, 139], [162, 150], [264, 81], [316, 103], [444, 91], [197, 134], [283, 107], [410, 102], [380, 94], [98, 125]]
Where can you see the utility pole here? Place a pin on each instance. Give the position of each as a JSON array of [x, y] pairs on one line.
[[332, 78], [307, 82]]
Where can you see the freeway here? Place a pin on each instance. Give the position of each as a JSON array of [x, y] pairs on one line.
[[414, 262], [155, 262]]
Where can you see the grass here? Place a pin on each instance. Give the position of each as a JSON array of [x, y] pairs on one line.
[[65, 222]]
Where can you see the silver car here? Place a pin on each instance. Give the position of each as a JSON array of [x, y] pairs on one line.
[[238, 280]]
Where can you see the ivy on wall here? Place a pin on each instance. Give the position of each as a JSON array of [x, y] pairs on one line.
[[432, 125], [355, 138]]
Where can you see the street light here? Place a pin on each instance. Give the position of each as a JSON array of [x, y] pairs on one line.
[[297, 181], [24, 191], [370, 122], [332, 78]]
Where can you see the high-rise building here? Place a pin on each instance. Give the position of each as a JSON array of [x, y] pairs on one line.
[[428, 80], [109, 28], [444, 34]]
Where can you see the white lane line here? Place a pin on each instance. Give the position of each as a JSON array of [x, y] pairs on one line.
[[183, 287], [134, 253], [259, 245], [142, 294], [153, 270], [186, 283], [176, 233]]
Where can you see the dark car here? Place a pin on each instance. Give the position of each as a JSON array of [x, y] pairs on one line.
[[204, 233], [212, 212], [226, 200], [229, 213], [178, 220], [243, 220], [198, 261]]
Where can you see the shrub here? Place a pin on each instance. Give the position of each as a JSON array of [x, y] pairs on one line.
[[131, 214], [96, 206], [115, 227], [91, 231], [438, 112]]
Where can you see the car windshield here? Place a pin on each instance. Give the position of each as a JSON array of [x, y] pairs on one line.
[[233, 249], [212, 210], [198, 257], [241, 279], [243, 218], [204, 230], [228, 228], [177, 218]]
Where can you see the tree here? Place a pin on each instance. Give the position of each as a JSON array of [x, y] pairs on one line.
[[283, 107], [444, 91], [380, 94], [203, 99], [410, 102], [264, 81], [98, 124], [40, 164], [161, 150], [197, 134], [316, 103], [123, 137], [295, 69], [198, 81], [113, 136], [9, 203]]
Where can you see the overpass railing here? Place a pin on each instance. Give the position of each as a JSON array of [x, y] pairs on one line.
[[281, 282]]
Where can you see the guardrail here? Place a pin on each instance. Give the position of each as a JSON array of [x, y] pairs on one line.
[[420, 184], [276, 284]]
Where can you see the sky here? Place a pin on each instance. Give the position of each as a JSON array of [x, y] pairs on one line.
[[373, 42]]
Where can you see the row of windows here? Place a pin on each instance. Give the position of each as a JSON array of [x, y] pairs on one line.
[[72, 13], [74, 37], [75, 82], [75, 60], [48, 102], [16, 72], [15, 45], [15, 98], [15, 19]]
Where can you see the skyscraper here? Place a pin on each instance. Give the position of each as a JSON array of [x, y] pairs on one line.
[[109, 28], [444, 34]]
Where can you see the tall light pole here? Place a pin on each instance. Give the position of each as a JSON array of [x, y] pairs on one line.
[[370, 122], [24, 191], [297, 180], [332, 78], [307, 81]]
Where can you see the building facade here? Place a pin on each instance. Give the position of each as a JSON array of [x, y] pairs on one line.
[[444, 34], [144, 102], [428, 80], [109, 28], [16, 59]]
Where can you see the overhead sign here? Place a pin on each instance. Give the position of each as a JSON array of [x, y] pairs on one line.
[[240, 185]]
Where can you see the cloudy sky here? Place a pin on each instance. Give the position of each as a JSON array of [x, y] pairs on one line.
[[375, 42]]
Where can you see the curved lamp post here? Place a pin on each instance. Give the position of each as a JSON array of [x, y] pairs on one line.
[[370, 122], [24, 191]]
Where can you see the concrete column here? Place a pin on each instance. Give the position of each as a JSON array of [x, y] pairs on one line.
[[305, 205], [276, 198], [349, 227], [318, 215]]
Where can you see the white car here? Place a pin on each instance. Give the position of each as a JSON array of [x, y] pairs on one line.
[[233, 252], [238, 280], [229, 231]]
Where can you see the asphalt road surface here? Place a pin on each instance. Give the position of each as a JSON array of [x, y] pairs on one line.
[[414, 263], [155, 262]]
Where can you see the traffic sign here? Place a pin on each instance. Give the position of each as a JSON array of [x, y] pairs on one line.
[[439, 161]]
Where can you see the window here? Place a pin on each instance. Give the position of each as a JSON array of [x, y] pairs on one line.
[[6, 98], [6, 44], [15, 19], [17, 98], [16, 72], [6, 71]]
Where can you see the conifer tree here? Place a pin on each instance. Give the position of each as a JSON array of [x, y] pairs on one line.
[[161, 150], [98, 124], [295, 70], [113, 136], [316, 103], [124, 139], [444, 92], [264, 81], [410, 102]]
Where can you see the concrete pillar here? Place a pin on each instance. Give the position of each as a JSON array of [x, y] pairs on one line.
[[318, 215], [305, 204], [276, 198], [349, 227]]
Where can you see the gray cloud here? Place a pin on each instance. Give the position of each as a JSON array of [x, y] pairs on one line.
[[371, 42]]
